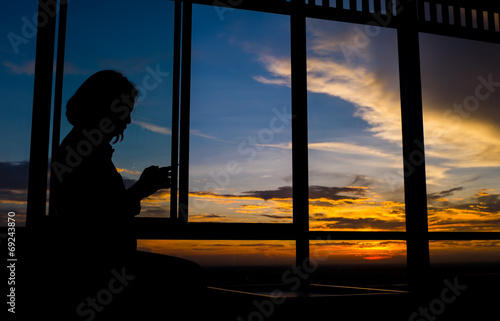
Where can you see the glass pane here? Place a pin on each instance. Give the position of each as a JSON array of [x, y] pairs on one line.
[[462, 252], [355, 149], [139, 44], [466, 258], [359, 262], [240, 155], [17, 59], [462, 128], [230, 262]]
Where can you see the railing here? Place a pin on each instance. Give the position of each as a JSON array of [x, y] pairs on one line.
[[475, 20]]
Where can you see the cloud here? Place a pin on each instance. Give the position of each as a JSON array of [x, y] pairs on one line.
[[123, 170], [463, 225], [152, 127], [451, 69], [489, 203], [283, 192], [200, 134], [349, 148], [481, 203], [435, 173], [359, 223], [278, 217], [477, 143], [336, 193], [480, 211], [468, 223], [14, 190], [217, 216], [454, 142], [275, 205], [268, 81], [334, 243], [14, 175], [355, 81], [446, 193], [155, 211], [360, 180], [28, 68], [250, 208], [456, 136], [369, 81], [358, 85], [220, 198], [243, 244], [71, 69], [315, 192], [13, 196], [280, 68]]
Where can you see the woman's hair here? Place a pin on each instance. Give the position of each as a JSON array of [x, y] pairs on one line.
[[94, 99]]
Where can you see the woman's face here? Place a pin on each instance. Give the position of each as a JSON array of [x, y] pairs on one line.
[[120, 121], [127, 120]]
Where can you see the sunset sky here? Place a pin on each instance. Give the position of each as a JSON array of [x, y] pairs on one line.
[[240, 152]]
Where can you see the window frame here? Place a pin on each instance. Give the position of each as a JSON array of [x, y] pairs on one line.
[[408, 22]]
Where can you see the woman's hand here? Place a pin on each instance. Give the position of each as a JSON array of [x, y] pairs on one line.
[[153, 179]]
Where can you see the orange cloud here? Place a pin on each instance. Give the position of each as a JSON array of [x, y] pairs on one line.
[[266, 253], [477, 212], [377, 258], [232, 253], [123, 170], [346, 208], [13, 202]]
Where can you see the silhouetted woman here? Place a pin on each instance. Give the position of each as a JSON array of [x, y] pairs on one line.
[[94, 210]]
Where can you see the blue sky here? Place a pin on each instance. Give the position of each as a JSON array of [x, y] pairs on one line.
[[16, 91], [240, 103]]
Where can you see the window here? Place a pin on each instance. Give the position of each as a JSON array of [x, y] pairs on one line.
[[139, 43], [461, 252], [463, 258], [235, 86], [461, 122], [17, 60], [356, 262], [240, 139], [355, 148], [254, 262]]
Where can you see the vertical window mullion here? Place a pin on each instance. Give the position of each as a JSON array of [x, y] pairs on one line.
[[56, 126], [300, 179], [175, 108], [185, 111], [40, 127], [413, 147]]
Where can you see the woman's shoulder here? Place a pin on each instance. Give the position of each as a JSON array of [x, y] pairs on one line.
[[83, 144], [79, 152]]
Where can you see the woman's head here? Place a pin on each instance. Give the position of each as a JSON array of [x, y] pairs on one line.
[[105, 96]]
